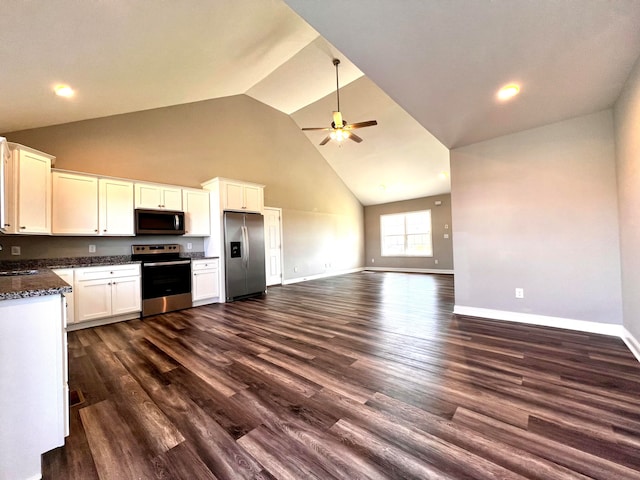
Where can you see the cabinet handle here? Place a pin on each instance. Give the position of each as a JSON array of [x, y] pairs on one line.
[[96, 230], [23, 228], [7, 224], [104, 230]]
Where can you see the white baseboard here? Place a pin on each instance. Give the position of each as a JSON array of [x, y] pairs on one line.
[[409, 270], [321, 275], [632, 343], [102, 321], [614, 330]]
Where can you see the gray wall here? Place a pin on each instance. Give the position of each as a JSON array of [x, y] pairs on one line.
[[440, 217], [627, 123], [35, 247], [538, 210], [235, 137]]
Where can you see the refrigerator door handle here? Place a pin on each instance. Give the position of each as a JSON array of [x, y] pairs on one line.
[[245, 240]]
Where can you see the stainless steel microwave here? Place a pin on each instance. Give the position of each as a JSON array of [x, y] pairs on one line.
[[159, 222]]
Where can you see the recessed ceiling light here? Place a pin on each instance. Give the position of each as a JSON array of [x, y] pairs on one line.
[[508, 91], [63, 91]]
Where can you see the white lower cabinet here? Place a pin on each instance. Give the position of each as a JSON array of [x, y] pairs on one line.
[[205, 281], [33, 368], [102, 292]]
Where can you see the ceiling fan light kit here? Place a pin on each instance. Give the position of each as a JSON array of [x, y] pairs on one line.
[[339, 129]]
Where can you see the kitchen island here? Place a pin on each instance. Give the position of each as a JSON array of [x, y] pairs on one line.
[[33, 371]]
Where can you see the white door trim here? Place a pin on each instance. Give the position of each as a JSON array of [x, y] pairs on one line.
[[271, 280]]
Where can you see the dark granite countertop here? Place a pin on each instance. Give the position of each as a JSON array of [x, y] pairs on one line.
[[44, 282]]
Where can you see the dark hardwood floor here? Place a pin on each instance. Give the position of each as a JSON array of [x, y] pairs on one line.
[[366, 375]]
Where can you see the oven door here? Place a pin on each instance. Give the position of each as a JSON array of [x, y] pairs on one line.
[[166, 286], [163, 279]]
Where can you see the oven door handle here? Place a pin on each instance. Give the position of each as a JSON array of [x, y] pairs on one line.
[[159, 264]]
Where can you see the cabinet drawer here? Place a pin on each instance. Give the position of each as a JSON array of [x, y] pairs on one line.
[[202, 265], [114, 271]]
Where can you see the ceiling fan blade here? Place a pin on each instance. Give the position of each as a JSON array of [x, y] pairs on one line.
[[317, 128], [369, 123], [355, 137], [323, 142]]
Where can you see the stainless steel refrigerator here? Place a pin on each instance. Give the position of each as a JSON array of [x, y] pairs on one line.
[[244, 255]]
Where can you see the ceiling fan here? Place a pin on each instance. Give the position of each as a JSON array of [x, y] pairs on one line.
[[340, 129]]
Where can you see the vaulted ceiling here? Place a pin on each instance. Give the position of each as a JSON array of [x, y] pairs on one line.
[[432, 69]]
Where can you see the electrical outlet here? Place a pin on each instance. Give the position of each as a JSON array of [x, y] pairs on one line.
[[373, 260], [519, 292], [15, 250], [189, 246], [295, 269], [446, 235], [92, 249], [436, 261]]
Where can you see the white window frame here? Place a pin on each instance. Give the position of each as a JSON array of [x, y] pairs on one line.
[[405, 240]]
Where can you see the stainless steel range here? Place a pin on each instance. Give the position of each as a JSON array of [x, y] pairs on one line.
[[166, 278]]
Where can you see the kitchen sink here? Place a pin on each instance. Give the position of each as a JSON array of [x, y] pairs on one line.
[[15, 273]]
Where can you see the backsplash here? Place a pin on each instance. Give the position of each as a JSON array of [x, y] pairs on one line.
[[49, 247]]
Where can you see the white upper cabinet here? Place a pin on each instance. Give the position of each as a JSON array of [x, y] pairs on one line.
[[115, 207], [196, 212], [89, 205], [158, 197], [242, 196], [27, 192], [75, 204]]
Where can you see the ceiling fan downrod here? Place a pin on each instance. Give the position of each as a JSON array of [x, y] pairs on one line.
[[336, 62]]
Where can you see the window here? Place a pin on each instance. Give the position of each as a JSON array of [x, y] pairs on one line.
[[406, 234]]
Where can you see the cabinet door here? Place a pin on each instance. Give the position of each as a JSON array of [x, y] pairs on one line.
[[115, 207], [253, 198], [125, 295], [148, 196], [172, 198], [34, 193], [233, 196], [205, 284], [93, 299], [196, 211], [75, 204], [8, 213]]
